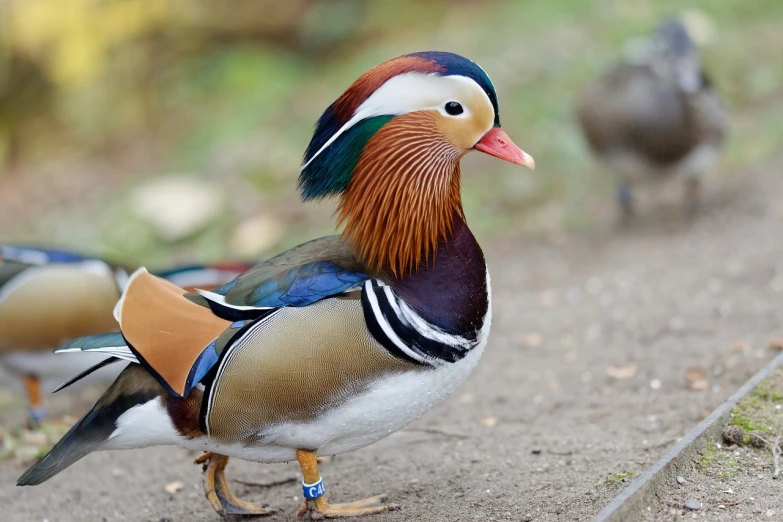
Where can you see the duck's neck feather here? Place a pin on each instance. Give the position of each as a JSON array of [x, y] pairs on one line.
[[450, 289], [402, 196], [440, 312]]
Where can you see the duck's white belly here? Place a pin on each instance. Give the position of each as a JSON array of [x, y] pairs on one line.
[[387, 406]]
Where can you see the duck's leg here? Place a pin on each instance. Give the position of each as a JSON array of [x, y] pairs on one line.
[[32, 386], [219, 493], [625, 201], [315, 495], [692, 199]]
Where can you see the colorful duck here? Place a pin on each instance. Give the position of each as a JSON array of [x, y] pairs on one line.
[[336, 343], [656, 116], [78, 294]]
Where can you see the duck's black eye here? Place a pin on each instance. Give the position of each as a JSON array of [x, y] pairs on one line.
[[453, 108]]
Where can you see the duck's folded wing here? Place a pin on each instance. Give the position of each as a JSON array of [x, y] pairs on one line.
[[38, 256], [180, 339], [207, 277], [301, 276]]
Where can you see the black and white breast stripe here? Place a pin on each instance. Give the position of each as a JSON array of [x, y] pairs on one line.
[[405, 334]]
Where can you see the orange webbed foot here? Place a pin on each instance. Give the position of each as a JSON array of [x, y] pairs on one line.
[[219, 493]]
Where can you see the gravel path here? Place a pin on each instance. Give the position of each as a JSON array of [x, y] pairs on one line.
[[584, 383]]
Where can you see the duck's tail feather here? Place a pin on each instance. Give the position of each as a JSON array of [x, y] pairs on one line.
[[113, 344], [85, 373], [133, 387]]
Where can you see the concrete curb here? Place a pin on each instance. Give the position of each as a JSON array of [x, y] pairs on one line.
[[633, 501]]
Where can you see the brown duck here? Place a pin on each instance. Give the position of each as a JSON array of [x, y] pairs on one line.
[[656, 116]]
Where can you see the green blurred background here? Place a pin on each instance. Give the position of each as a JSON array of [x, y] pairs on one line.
[[161, 131]]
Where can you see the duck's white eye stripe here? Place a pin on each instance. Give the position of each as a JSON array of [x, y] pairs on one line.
[[410, 92]]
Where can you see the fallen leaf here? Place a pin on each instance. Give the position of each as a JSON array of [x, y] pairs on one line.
[[622, 372], [741, 346], [697, 379], [177, 206], [776, 344], [695, 374], [174, 487]]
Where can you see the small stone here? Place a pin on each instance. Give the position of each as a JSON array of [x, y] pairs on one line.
[[174, 487], [622, 372], [655, 384], [757, 440], [533, 340], [255, 235], [488, 421], [770, 513], [680, 480], [700, 385], [693, 504], [734, 435], [697, 379], [177, 206]]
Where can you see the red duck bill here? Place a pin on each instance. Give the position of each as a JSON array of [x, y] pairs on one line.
[[497, 143]]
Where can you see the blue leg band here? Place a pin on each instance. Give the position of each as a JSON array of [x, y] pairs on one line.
[[315, 490], [38, 413], [624, 198]]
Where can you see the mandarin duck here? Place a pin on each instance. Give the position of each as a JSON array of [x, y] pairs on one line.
[[78, 294], [656, 116], [338, 342]]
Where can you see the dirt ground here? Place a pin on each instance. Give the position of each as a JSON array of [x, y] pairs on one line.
[[733, 475], [582, 386]]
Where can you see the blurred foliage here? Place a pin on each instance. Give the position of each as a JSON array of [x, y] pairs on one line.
[[99, 95]]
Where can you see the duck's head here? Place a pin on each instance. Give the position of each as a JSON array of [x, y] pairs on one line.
[[671, 53], [390, 148]]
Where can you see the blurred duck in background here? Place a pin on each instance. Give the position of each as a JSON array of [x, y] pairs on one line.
[[656, 116], [78, 295]]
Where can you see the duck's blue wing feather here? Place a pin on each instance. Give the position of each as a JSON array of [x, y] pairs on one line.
[[298, 286], [39, 256], [299, 277]]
